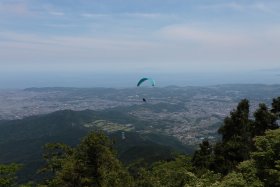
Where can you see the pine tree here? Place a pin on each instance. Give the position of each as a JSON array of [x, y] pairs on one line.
[[264, 120], [93, 163], [236, 139], [276, 106], [203, 157]]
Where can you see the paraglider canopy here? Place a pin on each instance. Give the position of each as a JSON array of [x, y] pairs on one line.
[[146, 79]]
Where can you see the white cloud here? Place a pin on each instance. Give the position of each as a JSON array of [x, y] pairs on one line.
[[267, 7], [22, 48], [62, 26], [14, 8], [223, 47], [184, 33], [91, 15], [134, 15], [144, 15], [229, 5], [54, 13], [176, 47]]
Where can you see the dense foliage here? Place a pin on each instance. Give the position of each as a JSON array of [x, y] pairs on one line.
[[248, 154], [8, 174]]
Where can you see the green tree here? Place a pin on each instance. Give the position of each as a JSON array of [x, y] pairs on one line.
[[174, 173], [237, 123], [54, 154], [167, 173], [264, 120], [93, 163], [145, 178], [249, 172], [8, 174], [245, 175], [267, 157], [203, 157], [233, 179], [276, 106], [236, 139]]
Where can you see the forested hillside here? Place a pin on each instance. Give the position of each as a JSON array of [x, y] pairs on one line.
[[22, 141]]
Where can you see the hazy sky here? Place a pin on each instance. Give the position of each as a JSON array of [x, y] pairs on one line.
[[139, 35]]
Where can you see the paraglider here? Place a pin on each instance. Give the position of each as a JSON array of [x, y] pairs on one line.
[[141, 81], [146, 79]]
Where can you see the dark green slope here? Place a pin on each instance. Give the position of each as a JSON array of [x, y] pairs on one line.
[[21, 141], [44, 125], [147, 147]]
